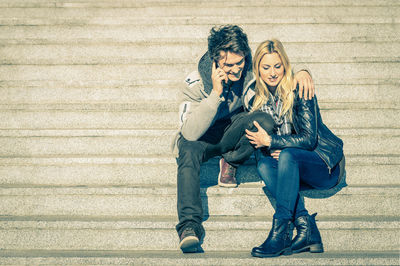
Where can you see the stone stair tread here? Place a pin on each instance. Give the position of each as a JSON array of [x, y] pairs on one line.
[[390, 159], [149, 117], [329, 73], [105, 56], [373, 170], [142, 3], [81, 142], [200, 20], [181, 41], [250, 189], [388, 132], [165, 221], [248, 199], [110, 60], [175, 9], [172, 106], [163, 257], [31, 92], [320, 32], [168, 83], [154, 232]]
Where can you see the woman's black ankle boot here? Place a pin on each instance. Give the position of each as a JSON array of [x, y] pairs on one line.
[[308, 237], [278, 241]]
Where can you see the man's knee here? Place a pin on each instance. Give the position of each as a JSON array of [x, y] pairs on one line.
[[263, 119]]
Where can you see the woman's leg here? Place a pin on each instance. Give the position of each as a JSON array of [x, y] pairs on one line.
[[280, 236], [267, 168], [297, 165]]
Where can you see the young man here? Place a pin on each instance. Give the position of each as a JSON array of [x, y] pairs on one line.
[[212, 100]]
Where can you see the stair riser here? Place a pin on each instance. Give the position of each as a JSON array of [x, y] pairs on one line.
[[158, 12], [138, 119], [197, 259], [126, 94], [157, 174], [186, 52], [256, 32], [197, 3], [152, 239], [336, 73], [124, 203], [142, 145]]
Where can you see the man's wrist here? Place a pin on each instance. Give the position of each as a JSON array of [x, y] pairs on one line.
[[267, 142], [218, 91]]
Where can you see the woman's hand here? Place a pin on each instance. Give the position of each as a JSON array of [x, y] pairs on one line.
[[259, 138], [306, 84], [275, 154]]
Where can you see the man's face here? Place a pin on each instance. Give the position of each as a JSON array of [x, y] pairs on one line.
[[232, 64]]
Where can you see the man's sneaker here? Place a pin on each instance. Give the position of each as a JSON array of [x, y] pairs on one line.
[[227, 174], [189, 242]]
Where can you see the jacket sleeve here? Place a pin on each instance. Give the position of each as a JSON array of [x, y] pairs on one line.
[[306, 135], [300, 67], [197, 110]]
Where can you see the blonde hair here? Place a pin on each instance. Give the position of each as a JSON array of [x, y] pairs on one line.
[[284, 89]]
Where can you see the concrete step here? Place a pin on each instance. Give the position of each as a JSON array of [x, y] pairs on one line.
[[167, 3], [196, 15], [248, 200], [158, 257], [197, 11], [62, 93], [158, 233], [37, 143], [135, 116], [257, 32], [335, 73], [81, 54], [134, 171]]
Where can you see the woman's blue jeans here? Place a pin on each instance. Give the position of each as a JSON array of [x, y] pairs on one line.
[[295, 170]]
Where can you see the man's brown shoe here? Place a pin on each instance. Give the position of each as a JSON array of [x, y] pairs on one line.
[[227, 174]]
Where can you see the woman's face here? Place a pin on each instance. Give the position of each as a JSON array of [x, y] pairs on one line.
[[271, 69]]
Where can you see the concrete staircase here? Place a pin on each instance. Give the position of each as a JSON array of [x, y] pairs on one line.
[[89, 95]]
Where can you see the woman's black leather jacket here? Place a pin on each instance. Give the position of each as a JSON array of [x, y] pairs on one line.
[[311, 133]]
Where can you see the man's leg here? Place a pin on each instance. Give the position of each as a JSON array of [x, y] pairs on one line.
[[190, 211], [235, 146]]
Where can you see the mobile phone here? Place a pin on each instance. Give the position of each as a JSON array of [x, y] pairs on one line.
[[225, 83]]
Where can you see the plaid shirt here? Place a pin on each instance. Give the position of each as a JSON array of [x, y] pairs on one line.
[[273, 107]]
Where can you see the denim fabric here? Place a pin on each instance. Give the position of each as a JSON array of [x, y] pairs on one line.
[[295, 170], [191, 155]]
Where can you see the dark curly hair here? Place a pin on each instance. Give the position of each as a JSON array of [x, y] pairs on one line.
[[228, 38]]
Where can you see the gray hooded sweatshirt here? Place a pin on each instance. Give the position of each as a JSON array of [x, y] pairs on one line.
[[201, 107]]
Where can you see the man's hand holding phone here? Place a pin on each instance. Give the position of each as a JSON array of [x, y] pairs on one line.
[[217, 76]]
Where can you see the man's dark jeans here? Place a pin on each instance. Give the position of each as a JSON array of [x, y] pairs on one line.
[[226, 139]]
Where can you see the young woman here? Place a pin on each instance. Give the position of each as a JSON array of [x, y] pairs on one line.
[[301, 152]]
